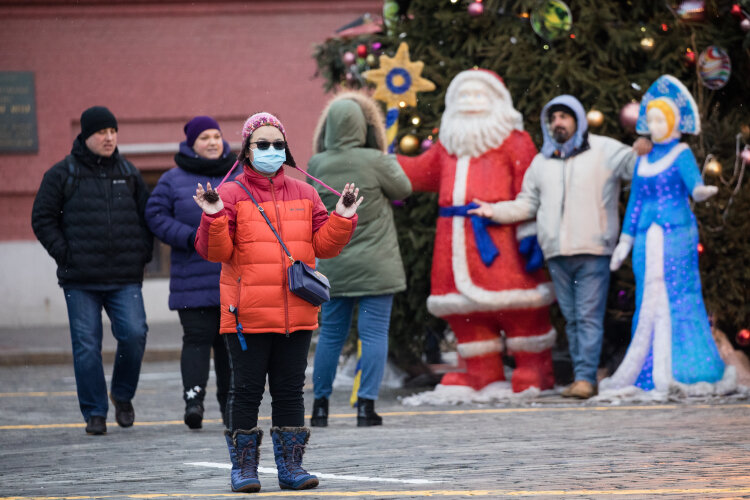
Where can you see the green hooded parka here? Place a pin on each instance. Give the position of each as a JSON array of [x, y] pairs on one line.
[[349, 146]]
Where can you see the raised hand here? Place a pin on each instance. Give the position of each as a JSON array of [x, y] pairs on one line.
[[348, 202], [207, 206], [702, 193]]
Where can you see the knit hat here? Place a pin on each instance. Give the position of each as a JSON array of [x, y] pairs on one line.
[[560, 107], [254, 123], [95, 119], [197, 125], [260, 120]]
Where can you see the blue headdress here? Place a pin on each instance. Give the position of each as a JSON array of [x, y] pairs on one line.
[[670, 88]]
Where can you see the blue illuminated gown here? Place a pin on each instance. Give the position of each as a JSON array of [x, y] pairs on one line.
[[672, 342]]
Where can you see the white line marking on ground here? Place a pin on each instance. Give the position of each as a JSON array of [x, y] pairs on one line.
[[272, 470]]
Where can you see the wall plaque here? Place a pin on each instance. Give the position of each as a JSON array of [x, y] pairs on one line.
[[18, 132]]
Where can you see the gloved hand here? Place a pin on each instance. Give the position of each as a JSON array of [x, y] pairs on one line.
[[621, 252], [532, 252], [702, 193]]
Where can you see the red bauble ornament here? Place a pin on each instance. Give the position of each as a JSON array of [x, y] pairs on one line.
[[701, 249], [736, 10], [362, 50], [476, 9], [743, 337], [690, 58], [629, 116]]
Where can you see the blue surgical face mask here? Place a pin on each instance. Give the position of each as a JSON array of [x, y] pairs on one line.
[[268, 160]]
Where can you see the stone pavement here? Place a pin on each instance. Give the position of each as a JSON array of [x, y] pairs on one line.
[[546, 447], [51, 345]]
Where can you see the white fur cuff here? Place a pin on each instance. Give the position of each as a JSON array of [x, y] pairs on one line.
[[456, 303], [537, 343], [479, 348]]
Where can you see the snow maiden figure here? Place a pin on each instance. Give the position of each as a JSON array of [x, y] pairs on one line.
[[672, 348]]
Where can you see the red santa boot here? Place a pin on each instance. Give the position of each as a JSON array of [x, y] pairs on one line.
[[530, 338], [480, 347], [533, 369]]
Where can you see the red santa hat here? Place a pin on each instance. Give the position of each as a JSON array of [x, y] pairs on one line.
[[492, 80]]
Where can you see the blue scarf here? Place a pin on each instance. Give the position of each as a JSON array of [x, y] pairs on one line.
[[487, 249]]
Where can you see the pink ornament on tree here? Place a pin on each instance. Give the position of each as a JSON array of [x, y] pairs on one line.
[[629, 116], [349, 58], [476, 9]]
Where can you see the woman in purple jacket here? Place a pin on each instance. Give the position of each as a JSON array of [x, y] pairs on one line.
[[173, 217]]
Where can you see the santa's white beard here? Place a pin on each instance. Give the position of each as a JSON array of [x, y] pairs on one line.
[[473, 135]]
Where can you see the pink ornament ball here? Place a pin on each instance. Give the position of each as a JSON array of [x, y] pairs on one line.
[[629, 116], [745, 155], [426, 144], [349, 58], [745, 25], [476, 9]]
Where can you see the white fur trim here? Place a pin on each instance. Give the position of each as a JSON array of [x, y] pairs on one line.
[[479, 348], [456, 303], [646, 169], [536, 343], [654, 317], [525, 229]]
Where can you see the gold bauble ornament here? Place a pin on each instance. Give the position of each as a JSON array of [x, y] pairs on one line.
[[409, 144], [595, 118], [371, 60], [713, 167]]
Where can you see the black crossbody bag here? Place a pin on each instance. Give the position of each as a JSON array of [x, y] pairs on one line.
[[304, 281]]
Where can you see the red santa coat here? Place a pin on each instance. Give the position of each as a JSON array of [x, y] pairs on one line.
[[461, 282]]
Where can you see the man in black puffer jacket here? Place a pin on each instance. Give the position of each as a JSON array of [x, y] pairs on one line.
[[89, 216]]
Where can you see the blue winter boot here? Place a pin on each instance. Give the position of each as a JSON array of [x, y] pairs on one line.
[[288, 448], [244, 451]]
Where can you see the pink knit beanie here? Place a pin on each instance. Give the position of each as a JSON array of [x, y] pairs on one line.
[[260, 120]]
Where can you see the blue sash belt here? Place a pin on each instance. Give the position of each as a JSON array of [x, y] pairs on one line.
[[487, 249]]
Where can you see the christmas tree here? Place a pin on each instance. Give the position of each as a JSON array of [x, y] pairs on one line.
[[606, 53]]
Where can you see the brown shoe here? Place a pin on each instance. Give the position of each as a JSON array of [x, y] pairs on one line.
[[582, 389], [566, 393]]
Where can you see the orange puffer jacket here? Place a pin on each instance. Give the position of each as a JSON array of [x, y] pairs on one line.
[[253, 271]]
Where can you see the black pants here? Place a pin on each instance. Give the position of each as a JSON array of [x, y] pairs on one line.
[[283, 358], [200, 327]]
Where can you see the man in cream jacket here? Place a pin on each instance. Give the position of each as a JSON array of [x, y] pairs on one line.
[[572, 189]]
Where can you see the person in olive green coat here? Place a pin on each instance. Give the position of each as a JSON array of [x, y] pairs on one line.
[[349, 146]]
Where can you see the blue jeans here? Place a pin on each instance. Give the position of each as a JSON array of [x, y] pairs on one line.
[[373, 322], [124, 306], [581, 285]]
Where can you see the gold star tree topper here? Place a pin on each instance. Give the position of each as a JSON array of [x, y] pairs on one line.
[[398, 79]]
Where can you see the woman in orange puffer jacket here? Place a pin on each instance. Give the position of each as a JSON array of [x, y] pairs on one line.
[[267, 329]]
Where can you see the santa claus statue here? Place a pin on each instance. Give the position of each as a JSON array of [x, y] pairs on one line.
[[483, 284]]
